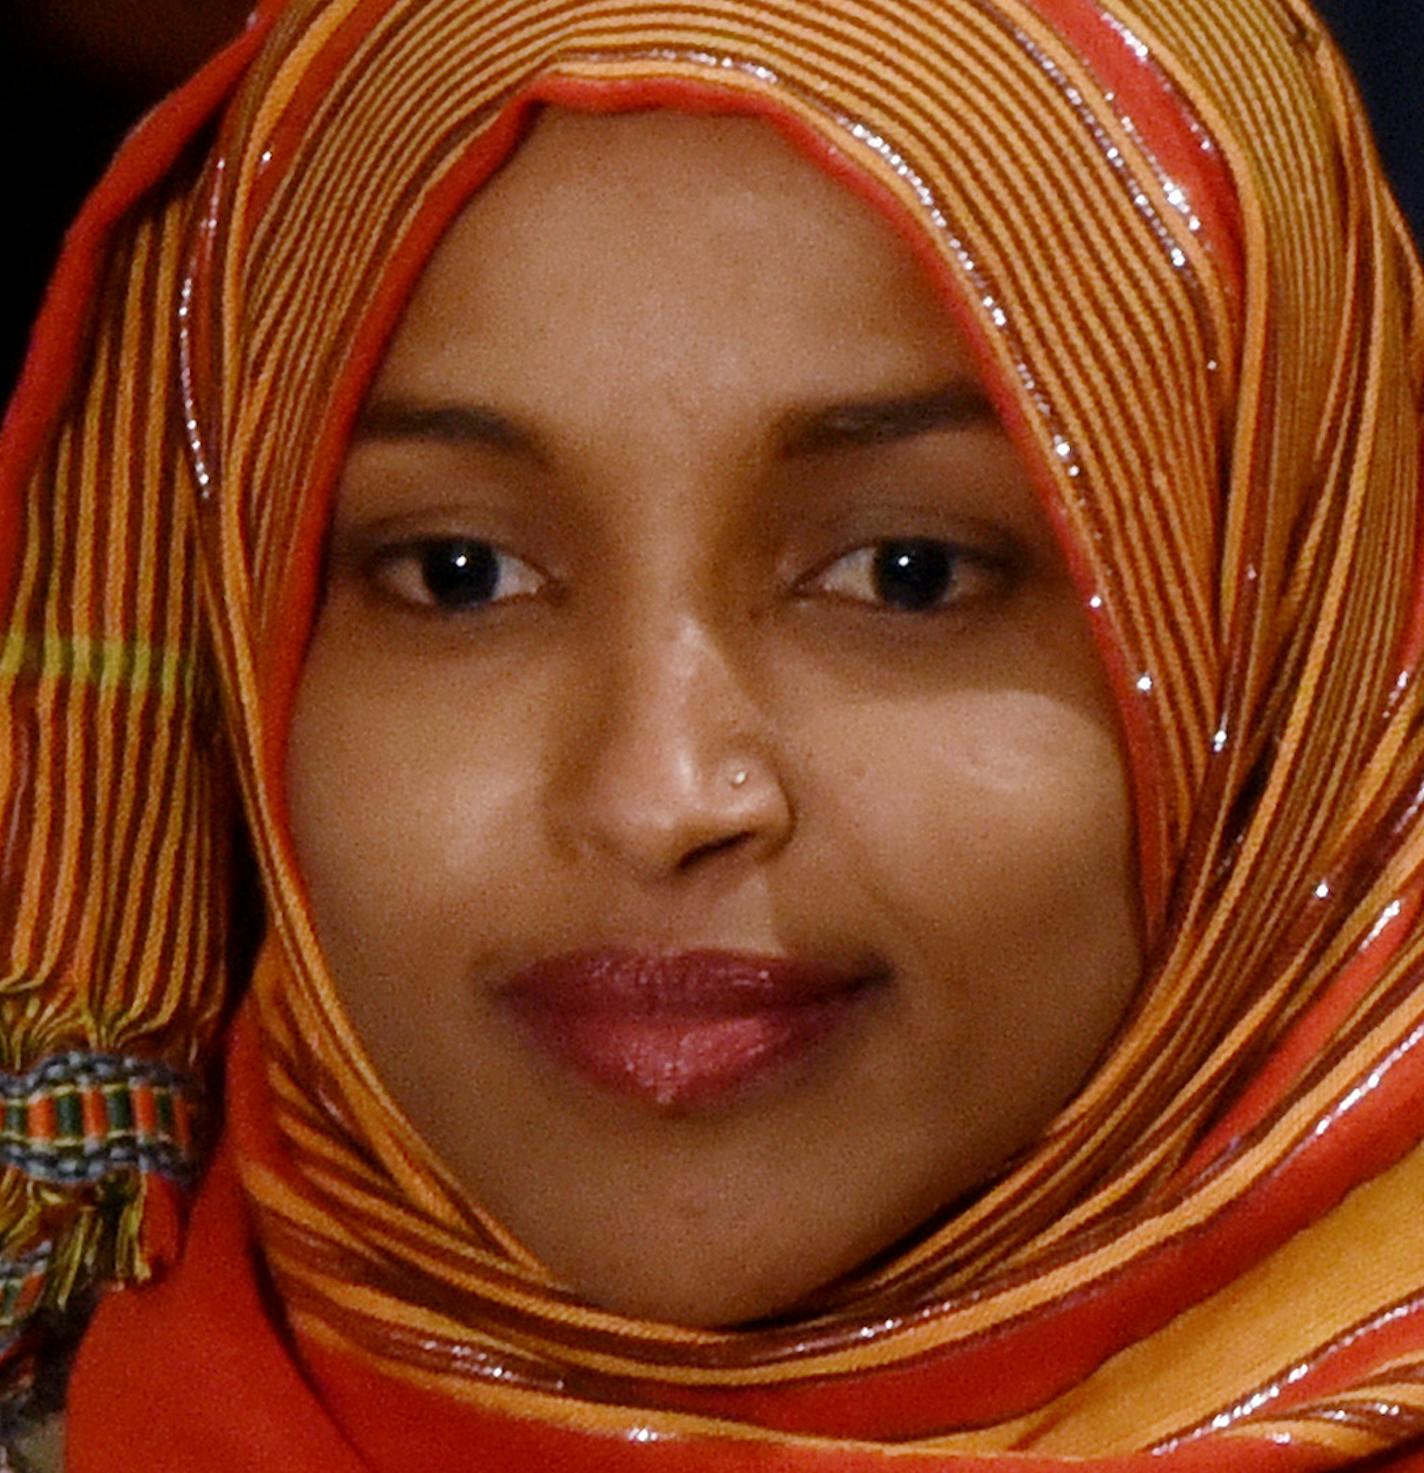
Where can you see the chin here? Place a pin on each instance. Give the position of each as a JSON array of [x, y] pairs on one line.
[[709, 1300]]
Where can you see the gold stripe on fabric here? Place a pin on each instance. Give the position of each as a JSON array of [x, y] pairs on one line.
[[104, 663], [302, 276], [1282, 1314], [108, 659], [1255, 573]]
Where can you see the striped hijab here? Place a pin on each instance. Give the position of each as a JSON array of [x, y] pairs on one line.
[[1163, 229]]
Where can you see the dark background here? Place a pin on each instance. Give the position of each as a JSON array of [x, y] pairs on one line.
[[1385, 41], [76, 74]]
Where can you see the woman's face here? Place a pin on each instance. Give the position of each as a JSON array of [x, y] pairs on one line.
[[707, 789]]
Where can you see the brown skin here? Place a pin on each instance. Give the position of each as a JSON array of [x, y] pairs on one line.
[[682, 499]]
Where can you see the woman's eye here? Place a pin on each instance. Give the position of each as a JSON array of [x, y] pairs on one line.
[[911, 574], [454, 573]]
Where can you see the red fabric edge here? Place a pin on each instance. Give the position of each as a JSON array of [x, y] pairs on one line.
[[202, 1357], [282, 661], [1161, 117], [59, 336], [53, 358], [1024, 1365]]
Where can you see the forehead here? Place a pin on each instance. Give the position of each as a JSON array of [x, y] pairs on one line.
[[628, 241]]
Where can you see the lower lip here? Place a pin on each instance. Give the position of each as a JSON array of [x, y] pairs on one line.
[[683, 1062]]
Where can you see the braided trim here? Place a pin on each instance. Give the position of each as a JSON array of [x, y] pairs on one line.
[[22, 1283], [78, 1117]]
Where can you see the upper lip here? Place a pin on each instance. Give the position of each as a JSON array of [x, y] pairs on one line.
[[693, 984]]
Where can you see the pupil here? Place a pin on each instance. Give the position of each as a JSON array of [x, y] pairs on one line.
[[460, 573], [913, 574]]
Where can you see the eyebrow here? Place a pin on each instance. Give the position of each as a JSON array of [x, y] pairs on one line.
[[816, 431], [861, 422], [444, 424]]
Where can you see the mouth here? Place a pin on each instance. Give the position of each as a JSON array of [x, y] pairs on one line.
[[680, 1031]]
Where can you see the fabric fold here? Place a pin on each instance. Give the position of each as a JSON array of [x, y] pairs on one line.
[[1163, 231]]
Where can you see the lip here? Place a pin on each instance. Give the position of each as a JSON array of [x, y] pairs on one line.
[[683, 1030]]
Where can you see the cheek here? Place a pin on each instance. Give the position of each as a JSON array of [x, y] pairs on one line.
[[978, 780], [990, 846], [409, 804], [993, 830]]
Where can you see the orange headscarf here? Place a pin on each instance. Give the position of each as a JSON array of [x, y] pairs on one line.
[[1162, 228]]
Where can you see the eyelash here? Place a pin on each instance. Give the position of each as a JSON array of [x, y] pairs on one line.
[[406, 572], [936, 574], [933, 574]]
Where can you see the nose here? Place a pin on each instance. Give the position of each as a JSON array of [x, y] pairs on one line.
[[672, 766]]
